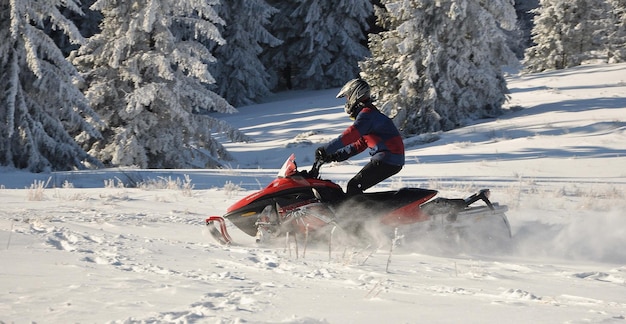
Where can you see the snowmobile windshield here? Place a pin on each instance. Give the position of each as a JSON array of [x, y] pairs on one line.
[[289, 167]]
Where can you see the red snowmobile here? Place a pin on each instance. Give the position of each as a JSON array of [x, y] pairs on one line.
[[301, 203]]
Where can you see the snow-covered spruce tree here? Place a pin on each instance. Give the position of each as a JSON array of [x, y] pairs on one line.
[[439, 62], [241, 77], [146, 74], [322, 42], [565, 32], [43, 115], [616, 31]]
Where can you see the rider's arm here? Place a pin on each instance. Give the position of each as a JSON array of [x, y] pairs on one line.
[[351, 150], [352, 136]]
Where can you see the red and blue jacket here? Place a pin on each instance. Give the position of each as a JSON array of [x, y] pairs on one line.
[[372, 129]]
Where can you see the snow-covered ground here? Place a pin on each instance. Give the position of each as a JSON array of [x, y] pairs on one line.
[[81, 247]]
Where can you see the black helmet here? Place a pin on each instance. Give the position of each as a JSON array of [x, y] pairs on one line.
[[356, 91]]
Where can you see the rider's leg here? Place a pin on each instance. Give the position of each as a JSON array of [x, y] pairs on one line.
[[371, 174]]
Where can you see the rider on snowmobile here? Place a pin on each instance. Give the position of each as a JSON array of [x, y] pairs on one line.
[[372, 129]]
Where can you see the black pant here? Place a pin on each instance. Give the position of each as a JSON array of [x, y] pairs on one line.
[[371, 174]]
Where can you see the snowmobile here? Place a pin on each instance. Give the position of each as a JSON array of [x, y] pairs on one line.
[[301, 203]]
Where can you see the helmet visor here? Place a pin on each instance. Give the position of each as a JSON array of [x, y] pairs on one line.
[[344, 90]]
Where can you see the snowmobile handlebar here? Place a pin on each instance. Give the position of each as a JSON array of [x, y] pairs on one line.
[[315, 168]]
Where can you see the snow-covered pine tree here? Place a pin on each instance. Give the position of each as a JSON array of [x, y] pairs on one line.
[[565, 32], [322, 42], [440, 62], [241, 77], [616, 31], [44, 116], [146, 73]]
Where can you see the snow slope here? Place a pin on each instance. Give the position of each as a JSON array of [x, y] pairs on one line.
[[82, 247]]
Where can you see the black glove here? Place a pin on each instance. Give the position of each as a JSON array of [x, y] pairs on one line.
[[321, 155]]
